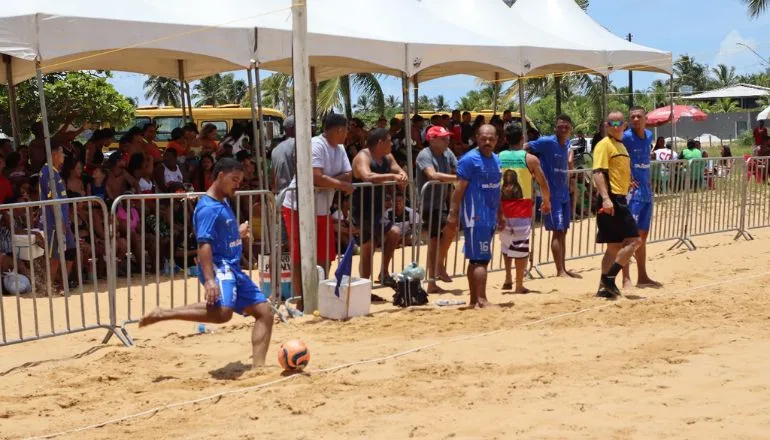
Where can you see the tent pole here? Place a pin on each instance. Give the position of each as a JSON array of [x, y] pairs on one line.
[[557, 87], [313, 100], [12, 104], [673, 122], [189, 101], [522, 105], [408, 135], [305, 191], [495, 88], [605, 84], [255, 129], [180, 68], [260, 125], [416, 95], [54, 194]]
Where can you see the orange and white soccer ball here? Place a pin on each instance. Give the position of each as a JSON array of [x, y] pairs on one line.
[[293, 355]]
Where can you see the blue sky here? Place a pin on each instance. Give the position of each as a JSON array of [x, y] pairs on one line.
[[705, 29]]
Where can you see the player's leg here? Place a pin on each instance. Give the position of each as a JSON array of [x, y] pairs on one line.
[[478, 243], [199, 312], [477, 276], [259, 309], [392, 239], [365, 263], [506, 240], [508, 284], [643, 223], [433, 220]]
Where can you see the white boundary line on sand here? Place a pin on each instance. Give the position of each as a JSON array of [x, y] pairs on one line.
[[158, 409]]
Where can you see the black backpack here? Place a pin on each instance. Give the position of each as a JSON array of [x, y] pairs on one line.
[[409, 293]]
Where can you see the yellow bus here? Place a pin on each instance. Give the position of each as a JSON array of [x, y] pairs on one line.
[[223, 117]]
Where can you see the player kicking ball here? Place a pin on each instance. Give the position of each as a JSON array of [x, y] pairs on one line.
[[227, 287]]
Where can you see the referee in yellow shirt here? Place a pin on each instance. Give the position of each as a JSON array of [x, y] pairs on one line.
[[617, 228]]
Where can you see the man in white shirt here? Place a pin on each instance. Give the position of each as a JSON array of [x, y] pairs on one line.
[[664, 170], [331, 171]]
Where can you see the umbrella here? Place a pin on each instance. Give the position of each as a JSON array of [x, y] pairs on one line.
[[764, 115], [662, 115]]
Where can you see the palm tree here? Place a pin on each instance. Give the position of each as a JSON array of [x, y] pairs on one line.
[[337, 92], [162, 91], [234, 90], [756, 7], [209, 91], [583, 4], [277, 92], [424, 103], [689, 72], [722, 105], [659, 90], [363, 105], [441, 104], [724, 76]]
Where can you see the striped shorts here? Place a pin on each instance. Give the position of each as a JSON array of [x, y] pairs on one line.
[[514, 239]]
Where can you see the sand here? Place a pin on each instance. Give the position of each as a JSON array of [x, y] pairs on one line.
[[688, 361]]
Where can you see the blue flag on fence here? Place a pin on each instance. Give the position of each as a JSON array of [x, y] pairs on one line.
[[345, 267]]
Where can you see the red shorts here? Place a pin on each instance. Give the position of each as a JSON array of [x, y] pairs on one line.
[[326, 243]]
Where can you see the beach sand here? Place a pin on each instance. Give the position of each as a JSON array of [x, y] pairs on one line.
[[685, 361]]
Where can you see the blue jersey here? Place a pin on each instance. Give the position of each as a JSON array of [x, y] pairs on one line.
[[639, 150], [215, 223], [47, 193], [482, 196], [554, 159]]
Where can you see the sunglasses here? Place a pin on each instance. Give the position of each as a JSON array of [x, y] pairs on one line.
[[616, 124]]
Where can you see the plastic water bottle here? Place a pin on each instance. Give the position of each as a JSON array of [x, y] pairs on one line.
[[201, 328]]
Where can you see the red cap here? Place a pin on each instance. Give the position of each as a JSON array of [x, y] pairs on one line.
[[437, 131]]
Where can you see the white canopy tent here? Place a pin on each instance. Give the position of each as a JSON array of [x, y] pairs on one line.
[[764, 114], [733, 92]]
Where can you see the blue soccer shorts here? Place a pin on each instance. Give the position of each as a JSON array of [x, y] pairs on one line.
[[478, 244], [641, 210], [237, 290], [559, 217]]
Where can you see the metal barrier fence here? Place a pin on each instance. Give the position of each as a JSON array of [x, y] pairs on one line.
[[756, 194], [155, 247], [47, 298]]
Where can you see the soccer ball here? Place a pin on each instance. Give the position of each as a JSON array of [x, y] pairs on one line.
[[293, 355]]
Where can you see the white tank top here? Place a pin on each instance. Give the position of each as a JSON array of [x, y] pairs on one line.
[[172, 176], [145, 186]]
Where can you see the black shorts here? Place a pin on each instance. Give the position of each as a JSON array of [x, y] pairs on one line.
[[378, 234], [433, 222], [618, 227]]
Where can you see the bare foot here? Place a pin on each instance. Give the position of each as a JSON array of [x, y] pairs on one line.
[[433, 288], [569, 274], [508, 285], [627, 284], [484, 304], [443, 276], [522, 290], [645, 283], [151, 318]]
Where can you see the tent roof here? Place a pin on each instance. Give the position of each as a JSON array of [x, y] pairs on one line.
[[150, 36], [736, 91]]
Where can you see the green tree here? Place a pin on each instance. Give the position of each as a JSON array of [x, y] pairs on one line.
[[440, 103], [583, 4], [277, 93], [336, 93], [220, 89], [756, 7], [162, 91], [722, 105], [724, 76], [424, 103], [234, 90], [88, 94], [689, 72]]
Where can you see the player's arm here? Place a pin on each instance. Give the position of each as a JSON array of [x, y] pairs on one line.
[[533, 163], [206, 260], [454, 205], [363, 170], [395, 168], [601, 166]]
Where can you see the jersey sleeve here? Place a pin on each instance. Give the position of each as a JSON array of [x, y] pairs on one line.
[[602, 156], [205, 219], [465, 168], [537, 146], [44, 184]]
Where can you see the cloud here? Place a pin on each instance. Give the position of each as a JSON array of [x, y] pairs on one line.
[[732, 54]]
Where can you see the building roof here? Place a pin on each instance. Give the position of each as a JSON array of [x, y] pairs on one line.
[[736, 91]]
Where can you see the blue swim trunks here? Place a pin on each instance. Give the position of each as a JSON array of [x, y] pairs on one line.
[[559, 217], [237, 290], [478, 243], [641, 210]]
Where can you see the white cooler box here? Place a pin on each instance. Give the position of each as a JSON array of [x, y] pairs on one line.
[[331, 307]]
